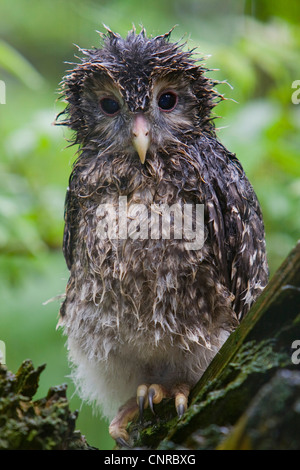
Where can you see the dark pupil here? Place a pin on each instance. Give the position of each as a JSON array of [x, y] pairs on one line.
[[167, 101], [109, 105]]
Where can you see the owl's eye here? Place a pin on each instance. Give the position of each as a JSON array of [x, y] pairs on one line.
[[110, 106], [167, 101]]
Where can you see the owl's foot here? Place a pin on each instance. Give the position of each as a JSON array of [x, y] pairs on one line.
[[147, 395], [117, 428], [153, 394]]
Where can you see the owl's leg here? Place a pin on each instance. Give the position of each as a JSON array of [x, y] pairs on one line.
[[154, 394], [117, 428]]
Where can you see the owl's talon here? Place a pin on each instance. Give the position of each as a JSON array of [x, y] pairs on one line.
[[181, 400], [142, 399], [155, 395], [151, 394], [180, 410], [122, 443], [141, 403]]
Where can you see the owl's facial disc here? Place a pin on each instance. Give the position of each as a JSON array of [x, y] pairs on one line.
[[141, 136]]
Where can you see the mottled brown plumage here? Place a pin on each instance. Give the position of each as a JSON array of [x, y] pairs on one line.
[[150, 311]]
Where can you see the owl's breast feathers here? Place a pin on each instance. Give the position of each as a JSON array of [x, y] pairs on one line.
[[127, 290]]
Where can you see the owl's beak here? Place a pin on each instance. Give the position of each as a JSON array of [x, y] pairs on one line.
[[141, 136]]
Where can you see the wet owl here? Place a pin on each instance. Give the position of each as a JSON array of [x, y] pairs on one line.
[[146, 309]]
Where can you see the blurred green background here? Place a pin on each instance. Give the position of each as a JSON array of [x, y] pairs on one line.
[[255, 47]]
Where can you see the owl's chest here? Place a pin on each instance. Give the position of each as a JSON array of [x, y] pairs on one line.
[[142, 259], [140, 252], [140, 230]]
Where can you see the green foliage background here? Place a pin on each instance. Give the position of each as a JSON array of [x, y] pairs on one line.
[[255, 47]]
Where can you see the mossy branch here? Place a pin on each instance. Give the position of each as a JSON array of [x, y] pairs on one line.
[[45, 424]]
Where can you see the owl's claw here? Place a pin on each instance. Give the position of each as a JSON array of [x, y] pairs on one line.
[[181, 394], [155, 395], [151, 394], [181, 400], [122, 443], [142, 399], [180, 410], [141, 403]]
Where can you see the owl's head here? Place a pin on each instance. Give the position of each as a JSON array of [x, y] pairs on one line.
[[137, 95]]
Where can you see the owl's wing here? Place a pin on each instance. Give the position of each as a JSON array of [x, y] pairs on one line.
[[248, 263], [236, 229]]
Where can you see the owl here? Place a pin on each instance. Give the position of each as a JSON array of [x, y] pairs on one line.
[[164, 236]]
